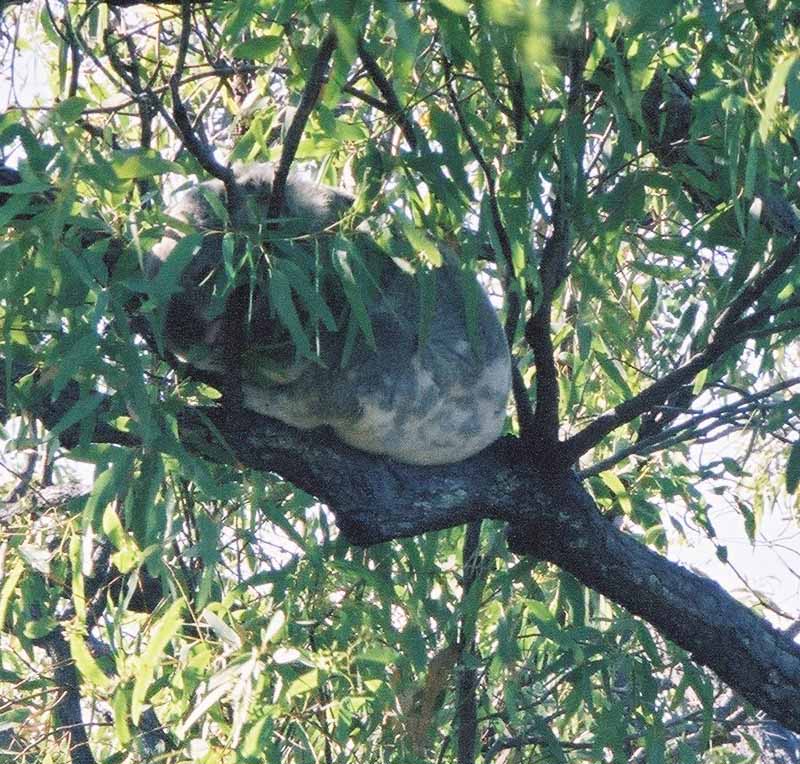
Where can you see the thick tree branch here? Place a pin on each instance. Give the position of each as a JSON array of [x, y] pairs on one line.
[[748, 654], [552, 517], [555, 519], [538, 330], [67, 717]]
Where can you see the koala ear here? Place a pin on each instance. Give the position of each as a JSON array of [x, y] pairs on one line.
[[255, 178], [316, 206]]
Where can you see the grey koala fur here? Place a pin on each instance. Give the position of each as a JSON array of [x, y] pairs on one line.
[[437, 401]]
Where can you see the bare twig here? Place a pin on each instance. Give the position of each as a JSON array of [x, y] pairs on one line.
[[688, 428], [760, 316], [491, 190], [197, 147], [522, 402]]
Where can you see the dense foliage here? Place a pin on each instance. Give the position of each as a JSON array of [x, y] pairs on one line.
[[622, 172]]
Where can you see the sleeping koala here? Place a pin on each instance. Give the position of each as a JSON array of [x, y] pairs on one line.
[[434, 395]]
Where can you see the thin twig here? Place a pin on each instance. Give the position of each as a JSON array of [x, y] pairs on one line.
[[522, 402], [198, 148], [395, 109], [668, 434], [494, 208]]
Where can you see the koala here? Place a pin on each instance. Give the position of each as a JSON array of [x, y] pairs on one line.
[[425, 397]]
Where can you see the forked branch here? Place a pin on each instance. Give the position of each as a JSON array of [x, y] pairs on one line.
[[730, 329]]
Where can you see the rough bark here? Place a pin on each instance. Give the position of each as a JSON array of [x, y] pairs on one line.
[[551, 516]]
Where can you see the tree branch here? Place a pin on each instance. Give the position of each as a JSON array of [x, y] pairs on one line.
[[475, 150], [198, 148], [555, 519], [316, 79], [694, 612], [67, 717], [552, 517], [395, 109], [526, 418], [688, 429], [553, 267], [467, 674], [668, 113], [724, 337]]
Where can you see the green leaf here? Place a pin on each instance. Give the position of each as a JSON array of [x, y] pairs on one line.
[[80, 356], [341, 263], [164, 631], [85, 661], [311, 298], [112, 527], [40, 627], [107, 485], [133, 387], [699, 382], [751, 170], [304, 684], [614, 376], [257, 47], [280, 295], [381, 654], [168, 279], [551, 744], [12, 207], [127, 555], [119, 706], [426, 248], [141, 163], [69, 110], [10, 581], [618, 489], [81, 410], [774, 94], [460, 7], [275, 626]]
